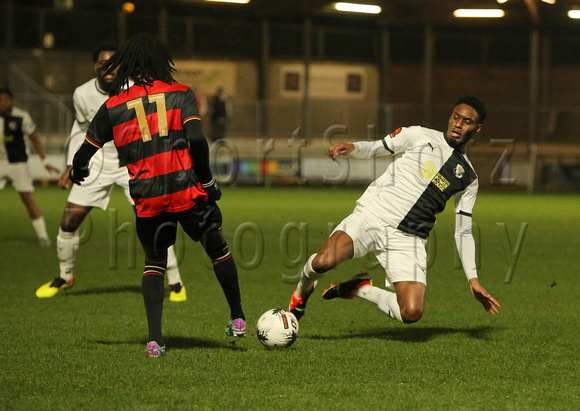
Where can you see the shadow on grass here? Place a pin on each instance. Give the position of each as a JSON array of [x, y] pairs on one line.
[[105, 290], [415, 334], [183, 343]]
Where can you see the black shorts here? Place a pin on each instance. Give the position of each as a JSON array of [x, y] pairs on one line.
[[159, 232]]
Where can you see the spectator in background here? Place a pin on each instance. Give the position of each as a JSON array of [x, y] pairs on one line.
[[220, 113], [16, 125]]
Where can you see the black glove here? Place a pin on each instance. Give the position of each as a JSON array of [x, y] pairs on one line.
[[77, 174], [213, 190]]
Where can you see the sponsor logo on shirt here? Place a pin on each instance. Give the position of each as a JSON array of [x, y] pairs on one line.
[[440, 182], [397, 131]]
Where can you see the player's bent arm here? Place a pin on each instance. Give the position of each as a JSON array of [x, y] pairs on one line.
[[76, 139], [84, 154], [369, 149], [35, 139], [199, 150], [80, 168], [340, 149], [64, 181]]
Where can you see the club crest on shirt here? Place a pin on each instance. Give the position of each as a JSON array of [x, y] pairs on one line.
[[13, 125], [459, 171]]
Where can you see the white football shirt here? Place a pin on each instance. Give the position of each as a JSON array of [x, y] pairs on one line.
[[415, 187], [87, 99]]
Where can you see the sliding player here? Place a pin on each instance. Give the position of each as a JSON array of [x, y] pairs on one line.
[[396, 213]]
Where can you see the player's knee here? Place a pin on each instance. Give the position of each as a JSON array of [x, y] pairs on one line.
[[219, 253], [71, 220], [411, 313], [323, 262]]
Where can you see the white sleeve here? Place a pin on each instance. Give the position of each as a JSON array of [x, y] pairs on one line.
[[465, 200], [76, 139], [368, 149], [81, 115], [396, 142], [465, 245], [464, 203]]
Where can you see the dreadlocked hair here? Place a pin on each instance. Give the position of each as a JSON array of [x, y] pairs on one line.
[[143, 59]]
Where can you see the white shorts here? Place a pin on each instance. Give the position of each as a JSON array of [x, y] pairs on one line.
[[95, 191], [19, 174], [402, 255]]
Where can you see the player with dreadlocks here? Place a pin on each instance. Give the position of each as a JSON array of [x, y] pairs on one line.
[[156, 128]]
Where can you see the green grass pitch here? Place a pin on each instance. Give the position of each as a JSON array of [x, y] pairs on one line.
[[83, 349]]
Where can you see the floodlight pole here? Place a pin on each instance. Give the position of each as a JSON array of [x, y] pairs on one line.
[[384, 75], [533, 122], [261, 114], [428, 62], [9, 25], [534, 84], [307, 56]]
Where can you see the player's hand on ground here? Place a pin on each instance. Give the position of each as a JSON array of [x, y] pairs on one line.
[[64, 181], [78, 175], [213, 190], [488, 302], [341, 149]]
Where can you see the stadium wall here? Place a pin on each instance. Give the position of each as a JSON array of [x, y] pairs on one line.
[[281, 114]]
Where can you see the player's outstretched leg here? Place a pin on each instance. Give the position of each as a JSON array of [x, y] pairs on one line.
[[306, 285], [177, 292], [347, 289], [385, 300], [67, 244]]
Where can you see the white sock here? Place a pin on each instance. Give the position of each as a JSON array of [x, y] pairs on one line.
[[172, 271], [40, 227], [307, 278], [385, 300], [67, 245]]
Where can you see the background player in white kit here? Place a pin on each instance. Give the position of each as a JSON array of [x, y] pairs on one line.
[[105, 167], [394, 216], [16, 127]]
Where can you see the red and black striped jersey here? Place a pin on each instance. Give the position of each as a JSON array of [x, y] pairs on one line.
[[146, 124]]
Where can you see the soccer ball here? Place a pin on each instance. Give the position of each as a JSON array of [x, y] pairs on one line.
[[277, 328]]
